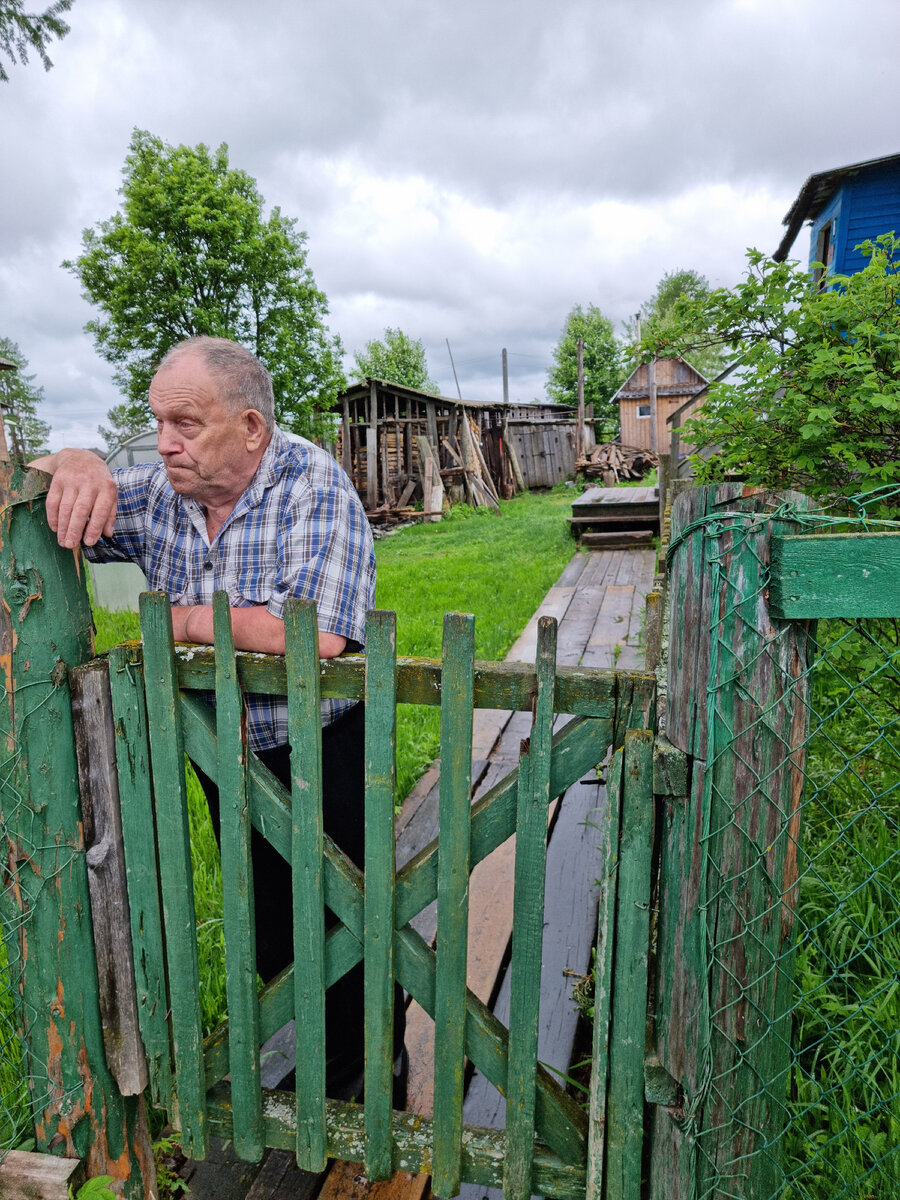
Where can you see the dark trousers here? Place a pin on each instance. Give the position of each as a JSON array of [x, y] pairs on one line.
[[343, 791]]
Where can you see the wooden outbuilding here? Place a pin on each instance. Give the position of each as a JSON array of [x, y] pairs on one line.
[[480, 450], [657, 389]]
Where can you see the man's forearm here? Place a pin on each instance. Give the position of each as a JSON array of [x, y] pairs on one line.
[[254, 628]]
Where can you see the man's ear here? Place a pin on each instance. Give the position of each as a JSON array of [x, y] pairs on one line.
[[254, 429]]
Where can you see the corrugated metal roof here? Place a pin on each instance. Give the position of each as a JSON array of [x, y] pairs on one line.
[[815, 194]]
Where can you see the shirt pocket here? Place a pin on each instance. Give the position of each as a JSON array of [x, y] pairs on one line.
[[251, 586]]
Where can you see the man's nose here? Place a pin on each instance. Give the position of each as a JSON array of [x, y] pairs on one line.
[[166, 441]]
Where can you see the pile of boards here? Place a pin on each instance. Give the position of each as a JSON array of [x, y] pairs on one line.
[[468, 478], [613, 463]]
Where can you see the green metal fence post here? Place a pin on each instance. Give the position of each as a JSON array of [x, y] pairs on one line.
[[45, 628]]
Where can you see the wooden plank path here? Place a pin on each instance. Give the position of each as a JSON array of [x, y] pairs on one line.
[[598, 601]]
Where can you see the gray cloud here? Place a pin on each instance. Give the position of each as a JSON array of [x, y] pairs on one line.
[[468, 171]]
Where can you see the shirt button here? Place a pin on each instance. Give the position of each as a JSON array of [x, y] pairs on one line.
[[207, 566]]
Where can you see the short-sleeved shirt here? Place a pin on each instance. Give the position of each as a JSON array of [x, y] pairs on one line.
[[298, 530]]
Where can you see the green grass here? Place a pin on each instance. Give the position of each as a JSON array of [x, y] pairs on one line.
[[497, 567], [844, 1102]]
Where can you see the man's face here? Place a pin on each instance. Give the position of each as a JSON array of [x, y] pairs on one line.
[[205, 449]]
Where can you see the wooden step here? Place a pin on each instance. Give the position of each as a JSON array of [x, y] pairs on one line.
[[622, 539]]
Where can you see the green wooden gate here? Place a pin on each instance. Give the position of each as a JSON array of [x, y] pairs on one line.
[[159, 718]]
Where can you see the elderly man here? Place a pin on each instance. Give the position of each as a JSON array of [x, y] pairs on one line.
[[236, 506]]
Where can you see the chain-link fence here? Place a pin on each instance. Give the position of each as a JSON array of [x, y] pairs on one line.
[[802, 959]]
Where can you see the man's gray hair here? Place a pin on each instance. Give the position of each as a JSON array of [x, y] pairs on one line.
[[243, 381]]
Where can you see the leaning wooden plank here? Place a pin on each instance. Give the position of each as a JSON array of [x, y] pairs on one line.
[[531, 851], [30, 1176], [483, 1150], [237, 890], [453, 898], [572, 855], [175, 869], [307, 843], [126, 679], [625, 1111], [603, 975], [835, 575], [381, 773], [95, 748]]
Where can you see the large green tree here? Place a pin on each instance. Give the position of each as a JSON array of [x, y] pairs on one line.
[[658, 315], [190, 252], [22, 33], [26, 433], [395, 358], [815, 402], [603, 364]]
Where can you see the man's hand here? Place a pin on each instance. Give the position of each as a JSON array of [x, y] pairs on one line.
[[81, 502]]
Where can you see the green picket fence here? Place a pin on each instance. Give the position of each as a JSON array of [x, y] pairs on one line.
[[545, 1146]]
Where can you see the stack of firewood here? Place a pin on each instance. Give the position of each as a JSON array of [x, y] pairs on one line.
[[613, 463]]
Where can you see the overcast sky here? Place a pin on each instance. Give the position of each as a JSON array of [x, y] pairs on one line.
[[464, 170]]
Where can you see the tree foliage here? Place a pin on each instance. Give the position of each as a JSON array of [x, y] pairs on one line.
[[22, 32], [659, 315], [815, 402], [26, 433], [395, 358], [190, 253], [603, 363]]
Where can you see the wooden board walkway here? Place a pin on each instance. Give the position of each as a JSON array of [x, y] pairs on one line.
[[599, 603]]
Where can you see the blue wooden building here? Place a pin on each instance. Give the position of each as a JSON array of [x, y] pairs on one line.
[[845, 206]]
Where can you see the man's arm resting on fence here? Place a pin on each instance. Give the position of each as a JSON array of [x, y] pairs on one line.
[[82, 500], [254, 628]]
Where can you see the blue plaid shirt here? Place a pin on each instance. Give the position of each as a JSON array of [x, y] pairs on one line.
[[298, 530]]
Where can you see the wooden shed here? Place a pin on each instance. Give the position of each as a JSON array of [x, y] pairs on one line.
[[660, 386], [481, 449]]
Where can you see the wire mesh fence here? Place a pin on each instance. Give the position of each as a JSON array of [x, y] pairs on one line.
[[802, 961]]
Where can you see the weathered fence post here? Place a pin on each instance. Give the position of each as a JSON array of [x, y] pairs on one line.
[[728, 868], [45, 629]]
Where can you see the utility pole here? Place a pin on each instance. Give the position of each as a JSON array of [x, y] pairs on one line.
[[579, 426], [505, 378], [453, 365]]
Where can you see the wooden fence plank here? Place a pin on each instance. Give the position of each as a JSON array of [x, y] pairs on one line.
[[625, 1111], [307, 843], [126, 680], [237, 891], [510, 685], [453, 898], [175, 871], [381, 787], [603, 976], [835, 575], [531, 851], [95, 747]]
